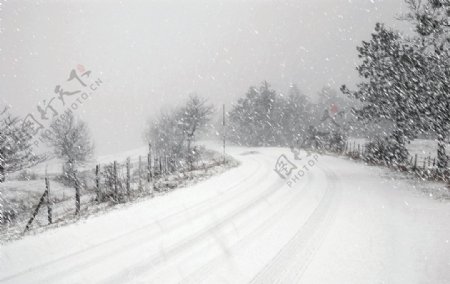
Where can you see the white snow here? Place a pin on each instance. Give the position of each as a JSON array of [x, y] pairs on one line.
[[343, 222]]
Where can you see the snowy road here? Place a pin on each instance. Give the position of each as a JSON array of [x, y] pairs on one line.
[[342, 222]]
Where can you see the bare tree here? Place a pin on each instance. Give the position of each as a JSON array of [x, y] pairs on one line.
[[174, 131], [16, 148], [194, 116], [71, 142], [166, 135]]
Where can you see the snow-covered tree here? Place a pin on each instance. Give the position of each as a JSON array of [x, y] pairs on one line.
[[173, 132], [166, 135], [242, 121], [253, 119], [388, 68], [432, 24], [72, 143], [294, 111], [194, 117], [16, 148], [266, 118]]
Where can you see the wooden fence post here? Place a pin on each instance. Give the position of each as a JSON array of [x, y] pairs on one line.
[[77, 195], [36, 210], [116, 190], [149, 163], [49, 202], [170, 164], [97, 182], [140, 172], [166, 166], [155, 166], [415, 161], [128, 178]]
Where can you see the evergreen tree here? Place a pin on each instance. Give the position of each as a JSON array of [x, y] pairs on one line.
[[432, 24], [295, 116], [254, 120], [388, 69], [265, 118]]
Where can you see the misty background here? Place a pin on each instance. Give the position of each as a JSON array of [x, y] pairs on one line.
[[150, 54]]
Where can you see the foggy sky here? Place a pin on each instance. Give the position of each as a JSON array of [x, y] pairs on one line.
[[154, 53]]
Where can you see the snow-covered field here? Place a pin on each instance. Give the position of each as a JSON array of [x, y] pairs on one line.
[[342, 222]]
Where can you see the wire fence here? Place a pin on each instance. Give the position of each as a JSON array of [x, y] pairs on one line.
[[119, 182], [423, 166]]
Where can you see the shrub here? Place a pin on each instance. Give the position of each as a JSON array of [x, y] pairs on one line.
[[337, 141], [385, 151], [7, 216]]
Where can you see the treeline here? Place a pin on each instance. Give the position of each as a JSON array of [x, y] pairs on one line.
[[406, 81], [262, 117], [265, 117]]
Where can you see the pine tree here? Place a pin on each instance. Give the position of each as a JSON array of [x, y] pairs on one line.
[[432, 24], [388, 69], [255, 119], [295, 112]]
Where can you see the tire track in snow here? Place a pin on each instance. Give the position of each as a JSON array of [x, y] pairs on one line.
[[187, 243], [266, 224], [293, 259]]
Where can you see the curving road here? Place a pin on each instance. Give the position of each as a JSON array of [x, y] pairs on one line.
[[340, 222]]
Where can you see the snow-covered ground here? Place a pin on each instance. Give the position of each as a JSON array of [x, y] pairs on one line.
[[31, 190], [342, 222], [54, 166], [19, 196]]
